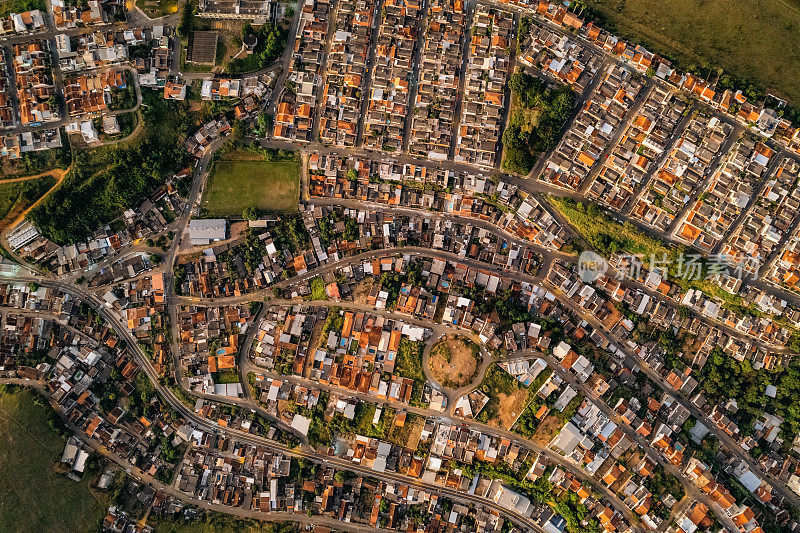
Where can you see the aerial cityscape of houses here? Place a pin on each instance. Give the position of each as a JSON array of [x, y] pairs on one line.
[[414, 344]]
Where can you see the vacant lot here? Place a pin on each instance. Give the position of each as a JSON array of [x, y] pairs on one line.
[[157, 8], [511, 406], [402, 436], [218, 523], [33, 497], [603, 233], [243, 179], [409, 360], [37, 162], [548, 429], [453, 362], [755, 39], [361, 291], [507, 398]]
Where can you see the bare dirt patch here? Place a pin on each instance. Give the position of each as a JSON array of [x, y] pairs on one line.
[[453, 362], [315, 342], [415, 433], [361, 291], [511, 406], [613, 316], [548, 429]]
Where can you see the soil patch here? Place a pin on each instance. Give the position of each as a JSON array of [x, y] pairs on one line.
[[548, 429], [361, 291], [511, 406], [454, 361]]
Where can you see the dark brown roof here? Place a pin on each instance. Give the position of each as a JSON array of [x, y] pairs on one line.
[[204, 47]]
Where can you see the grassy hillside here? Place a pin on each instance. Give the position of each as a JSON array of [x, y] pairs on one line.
[[18, 196], [753, 39], [33, 496], [106, 180]]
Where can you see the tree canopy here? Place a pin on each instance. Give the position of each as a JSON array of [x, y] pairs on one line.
[[535, 126], [105, 181], [724, 377]]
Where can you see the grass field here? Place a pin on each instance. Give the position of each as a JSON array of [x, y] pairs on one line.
[[506, 395], [318, 289], [756, 39], [243, 179], [409, 360], [33, 497]]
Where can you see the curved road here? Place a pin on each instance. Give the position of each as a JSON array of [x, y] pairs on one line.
[[178, 406], [248, 366]]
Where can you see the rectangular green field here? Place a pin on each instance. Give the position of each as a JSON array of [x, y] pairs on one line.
[[241, 181], [754, 39], [34, 496]]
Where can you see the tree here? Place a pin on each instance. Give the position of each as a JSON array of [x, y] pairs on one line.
[[102, 184], [517, 157], [350, 229], [52, 102], [251, 213], [536, 123], [263, 123], [237, 129], [186, 23]]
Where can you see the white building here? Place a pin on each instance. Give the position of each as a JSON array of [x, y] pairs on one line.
[[206, 231]]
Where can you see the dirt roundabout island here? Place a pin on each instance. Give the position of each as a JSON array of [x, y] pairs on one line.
[[454, 361]]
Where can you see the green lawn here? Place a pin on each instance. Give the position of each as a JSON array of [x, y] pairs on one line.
[[756, 39], [33, 497], [242, 179], [227, 376], [318, 289]]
